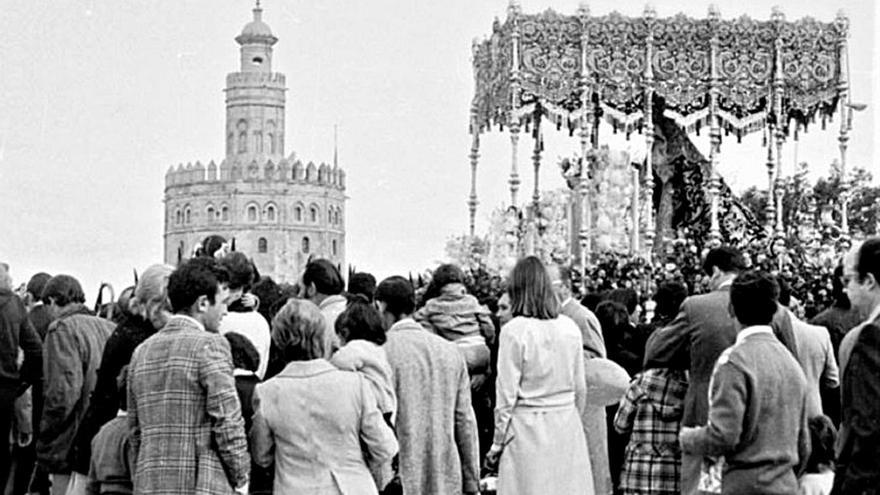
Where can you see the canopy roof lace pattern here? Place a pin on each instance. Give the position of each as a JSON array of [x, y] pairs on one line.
[[556, 66]]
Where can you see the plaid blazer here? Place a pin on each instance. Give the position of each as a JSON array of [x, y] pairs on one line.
[[651, 411], [187, 431]]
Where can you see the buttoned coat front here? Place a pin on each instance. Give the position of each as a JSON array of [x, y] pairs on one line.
[[187, 431]]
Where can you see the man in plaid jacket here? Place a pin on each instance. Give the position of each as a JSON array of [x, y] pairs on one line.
[[187, 431]]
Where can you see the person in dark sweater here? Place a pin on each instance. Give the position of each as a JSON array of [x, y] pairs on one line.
[[757, 418], [111, 463], [149, 312]]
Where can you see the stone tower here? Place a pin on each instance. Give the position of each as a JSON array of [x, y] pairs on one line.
[[279, 210]]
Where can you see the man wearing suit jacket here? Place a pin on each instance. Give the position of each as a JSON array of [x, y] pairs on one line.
[[858, 450], [699, 334], [187, 431]]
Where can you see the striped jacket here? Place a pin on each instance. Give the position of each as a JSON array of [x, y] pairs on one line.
[[187, 431], [651, 411]]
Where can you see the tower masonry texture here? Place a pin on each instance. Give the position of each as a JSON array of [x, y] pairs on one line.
[[279, 210]]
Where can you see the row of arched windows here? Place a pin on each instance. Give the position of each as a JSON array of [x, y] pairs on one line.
[[239, 143], [253, 214], [305, 246]]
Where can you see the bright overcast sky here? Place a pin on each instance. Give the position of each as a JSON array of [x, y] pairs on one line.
[[99, 97]]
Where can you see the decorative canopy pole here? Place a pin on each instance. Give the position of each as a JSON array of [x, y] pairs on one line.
[[513, 12], [474, 156], [650, 16], [635, 242], [586, 209], [777, 17], [536, 160], [714, 132], [842, 23]]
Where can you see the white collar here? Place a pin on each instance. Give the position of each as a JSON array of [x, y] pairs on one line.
[[241, 372], [567, 300], [754, 330], [190, 318], [726, 283], [121, 414]]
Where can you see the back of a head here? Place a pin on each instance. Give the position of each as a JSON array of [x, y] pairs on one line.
[[591, 300], [362, 283], [298, 331], [531, 291], [669, 297], [151, 292], [37, 283], [753, 296], [269, 293], [613, 316], [63, 290], [444, 275], [728, 259], [868, 259], [627, 297], [398, 295], [563, 272], [324, 275], [194, 278], [360, 321], [841, 300], [211, 245], [244, 354], [241, 271]]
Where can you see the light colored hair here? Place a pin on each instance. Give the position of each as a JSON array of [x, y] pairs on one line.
[[531, 292], [151, 294], [298, 331]]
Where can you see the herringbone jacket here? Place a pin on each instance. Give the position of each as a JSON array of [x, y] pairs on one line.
[[187, 431]]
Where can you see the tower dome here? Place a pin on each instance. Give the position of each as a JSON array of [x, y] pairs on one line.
[[256, 31]]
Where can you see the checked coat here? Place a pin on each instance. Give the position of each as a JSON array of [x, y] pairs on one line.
[[651, 412], [187, 431]]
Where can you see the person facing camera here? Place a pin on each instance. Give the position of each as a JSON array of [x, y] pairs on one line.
[[313, 420]]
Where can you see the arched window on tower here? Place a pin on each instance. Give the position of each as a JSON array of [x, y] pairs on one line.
[[252, 213], [330, 215], [271, 142], [262, 245], [210, 214], [224, 213], [313, 214], [258, 142], [178, 217], [242, 136], [270, 213], [333, 248], [306, 245], [298, 213], [187, 215]]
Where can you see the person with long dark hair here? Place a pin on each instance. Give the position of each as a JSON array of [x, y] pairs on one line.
[[540, 393]]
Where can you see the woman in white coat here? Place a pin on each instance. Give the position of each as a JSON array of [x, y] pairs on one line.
[[540, 393], [316, 422]]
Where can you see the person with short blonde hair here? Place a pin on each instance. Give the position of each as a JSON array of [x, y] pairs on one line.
[[312, 419], [540, 393], [149, 310]]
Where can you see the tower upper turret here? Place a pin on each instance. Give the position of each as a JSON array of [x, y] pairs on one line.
[[256, 40]]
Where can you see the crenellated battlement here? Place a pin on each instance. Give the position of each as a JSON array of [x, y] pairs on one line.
[[255, 79], [288, 169]]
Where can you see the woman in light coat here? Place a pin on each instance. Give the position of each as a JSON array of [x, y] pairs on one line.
[[540, 393], [312, 418]]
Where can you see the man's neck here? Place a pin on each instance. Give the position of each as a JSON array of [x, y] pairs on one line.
[[317, 299], [724, 280]]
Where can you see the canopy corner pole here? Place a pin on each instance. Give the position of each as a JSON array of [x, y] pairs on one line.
[[515, 77], [714, 137], [650, 15], [842, 23]]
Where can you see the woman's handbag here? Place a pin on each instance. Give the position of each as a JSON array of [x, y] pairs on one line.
[[607, 381]]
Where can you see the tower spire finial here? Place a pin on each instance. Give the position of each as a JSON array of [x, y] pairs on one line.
[[335, 147]]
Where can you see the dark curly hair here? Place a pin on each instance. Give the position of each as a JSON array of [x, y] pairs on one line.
[[360, 321], [64, 290], [244, 354], [753, 297], [325, 276], [194, 278], [444, 275]]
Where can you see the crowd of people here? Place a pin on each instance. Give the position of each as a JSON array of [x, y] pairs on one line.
[[212, 379]]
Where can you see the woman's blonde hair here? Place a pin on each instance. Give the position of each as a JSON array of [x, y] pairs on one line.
[[298, 331], [151, 294], [531, 290]]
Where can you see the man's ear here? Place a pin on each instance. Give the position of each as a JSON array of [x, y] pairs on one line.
[[871, 282], [201, 305], [310, 290], [716, 271]]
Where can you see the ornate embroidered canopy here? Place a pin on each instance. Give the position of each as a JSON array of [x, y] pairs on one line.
[[563, 64]]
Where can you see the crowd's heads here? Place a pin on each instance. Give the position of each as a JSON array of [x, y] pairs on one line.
[[241, 272], [321, 278], [150, 299], [360, 321], [613, 318], [298, 331], [213, 246], [753, 296], [629, 299], [199, 288], [862, 275], [244, 354], [36, 285], [363, 284], [396, 296], [726, 259], [823, 436], [444, 275], [63, 290], [531, 291], [269, 294], [669, 297], [5, 277], [560, 277]]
